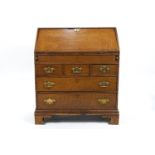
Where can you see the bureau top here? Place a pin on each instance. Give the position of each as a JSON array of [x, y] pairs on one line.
[[76, 40]]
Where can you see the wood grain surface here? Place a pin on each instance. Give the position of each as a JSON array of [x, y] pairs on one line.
[[68, 39], [71, 65], [77, 84], [76, 100]]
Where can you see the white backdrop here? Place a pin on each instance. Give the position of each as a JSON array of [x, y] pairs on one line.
[[135, 22]]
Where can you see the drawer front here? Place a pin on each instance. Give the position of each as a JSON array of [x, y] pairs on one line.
[[76, 101], [104, 70], [76, 84], [108, 59], [48, 70], [76, 70]]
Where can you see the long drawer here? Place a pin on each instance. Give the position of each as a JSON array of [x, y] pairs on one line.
[[76, 101], [76, 84], [108, 59]]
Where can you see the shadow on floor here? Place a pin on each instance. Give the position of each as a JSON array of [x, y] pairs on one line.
[[76, 119]]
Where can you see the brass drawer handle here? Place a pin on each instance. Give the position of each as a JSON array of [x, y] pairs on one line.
[[103, 100], [116, 57], [76, 29], [49, 101], [103, 84], [48, 84], [49, 70], [104, 68], [76, 70]]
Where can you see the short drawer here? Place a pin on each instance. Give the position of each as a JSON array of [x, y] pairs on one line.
[[76, 70], [76, 84], [76, 101], [108, 59], [48, 70], [104, 70]]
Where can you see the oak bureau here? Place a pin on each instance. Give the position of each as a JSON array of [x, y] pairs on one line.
[[76, 73]]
